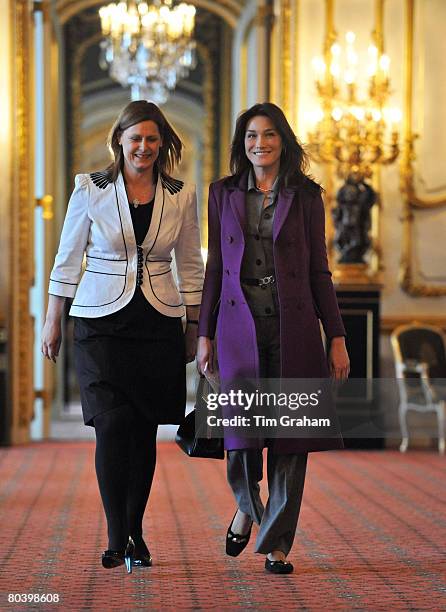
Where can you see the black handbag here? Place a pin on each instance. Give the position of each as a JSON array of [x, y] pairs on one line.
[[198, 442]]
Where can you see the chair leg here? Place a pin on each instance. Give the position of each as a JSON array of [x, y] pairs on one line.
[[403, 426], [404, 444], [441, 436]]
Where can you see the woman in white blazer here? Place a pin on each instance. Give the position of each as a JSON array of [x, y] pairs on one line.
[[130, 349]]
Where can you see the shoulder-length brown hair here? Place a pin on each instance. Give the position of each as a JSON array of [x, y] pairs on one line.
[[293, 161], [135, 112]]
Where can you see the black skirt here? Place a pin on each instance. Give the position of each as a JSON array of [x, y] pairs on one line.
[[133, 357]]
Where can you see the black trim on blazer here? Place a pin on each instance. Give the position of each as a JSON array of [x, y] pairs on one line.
[[105, 273], [101, 179], [63, 282], [156, 297], [172, 185], [147, 259], [126, 266], [161, 273], [103, 258], [157, 231], [159, 260]]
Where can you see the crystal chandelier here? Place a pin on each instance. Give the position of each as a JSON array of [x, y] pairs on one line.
[[148, 47]]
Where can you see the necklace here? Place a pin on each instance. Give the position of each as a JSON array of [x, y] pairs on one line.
[[135, 202], [263, 190]]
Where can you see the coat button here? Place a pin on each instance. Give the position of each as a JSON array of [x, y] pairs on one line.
[[231, 302], [268, 310], [227, 272], [230, 239], [259, 262], [257, 237]]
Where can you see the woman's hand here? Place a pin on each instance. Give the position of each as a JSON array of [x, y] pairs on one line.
[[338, 359], [52, 330], [190, 339], [51, 338], [205, 355]]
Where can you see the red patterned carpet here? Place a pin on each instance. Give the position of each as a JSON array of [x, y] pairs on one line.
[[372, 536]]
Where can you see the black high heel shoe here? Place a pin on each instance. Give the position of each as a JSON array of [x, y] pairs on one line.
[[112, 558], [115, 558], [129, 555], [142, 557], [236, 543]]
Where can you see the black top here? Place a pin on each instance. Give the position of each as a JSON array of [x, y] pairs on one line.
[[141, 218]]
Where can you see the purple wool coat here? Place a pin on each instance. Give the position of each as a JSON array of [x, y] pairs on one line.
[[305, 291]]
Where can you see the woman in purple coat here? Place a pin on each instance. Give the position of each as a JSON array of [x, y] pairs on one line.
[[267, 285]]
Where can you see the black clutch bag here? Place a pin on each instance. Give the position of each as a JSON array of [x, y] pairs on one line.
[[198, 442]]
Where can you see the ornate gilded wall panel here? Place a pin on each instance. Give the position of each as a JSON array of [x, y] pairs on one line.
[[21, 330], [423, 190], [286, 63]]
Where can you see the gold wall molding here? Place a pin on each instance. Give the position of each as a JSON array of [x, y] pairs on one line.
[[284, 56], [390, 322], [208, 159], [376, 251], [225, 102], [294, 44], [329, 174], [274, 58], [244, 61], [286, 64], [22, 226], [412, 200]]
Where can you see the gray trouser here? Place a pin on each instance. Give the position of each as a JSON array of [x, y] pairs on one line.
[[286, 477], [286, 473]]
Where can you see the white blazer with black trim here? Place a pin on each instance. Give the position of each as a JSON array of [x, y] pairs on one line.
[[98, 225]]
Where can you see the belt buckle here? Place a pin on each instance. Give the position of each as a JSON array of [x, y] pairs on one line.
[[266, 280]]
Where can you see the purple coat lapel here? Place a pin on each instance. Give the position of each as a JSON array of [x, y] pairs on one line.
[[237, 199], [284, 200]]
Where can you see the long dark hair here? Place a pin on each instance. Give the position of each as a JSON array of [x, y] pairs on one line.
[[135, 112], [293, 161]]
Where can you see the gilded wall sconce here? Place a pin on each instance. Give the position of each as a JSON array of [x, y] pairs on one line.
[[355, 132]]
